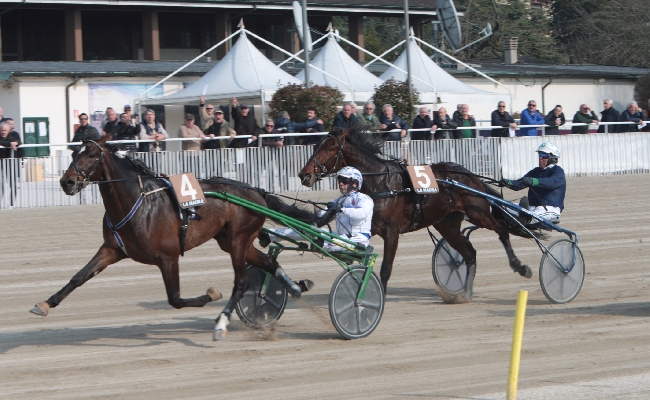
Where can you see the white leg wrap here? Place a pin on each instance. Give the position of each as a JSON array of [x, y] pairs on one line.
[[221, 328]]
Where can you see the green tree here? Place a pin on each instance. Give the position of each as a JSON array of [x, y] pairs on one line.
[[609, 32], [509, 19], [396, 93], [295, 99]]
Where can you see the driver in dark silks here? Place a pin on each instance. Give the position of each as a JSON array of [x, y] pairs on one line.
[[546, 183], [353, 213]]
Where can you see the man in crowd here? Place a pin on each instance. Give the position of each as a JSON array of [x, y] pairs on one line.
[[500, 117], [9, 142], [609, 114], [269, 129], [345, 119], [132, 118], [190, 130], [369, 118], [152, 130], [554, 119], [584, 115], [111, 121], [245, 124], [85, 131], [632, 114], [218, 127], [463, 119], [206, 111], [391, 121], [284, 121], [530, 116], [125, 130], [442, 121], [547, 184], [422, 121], [312, 115]]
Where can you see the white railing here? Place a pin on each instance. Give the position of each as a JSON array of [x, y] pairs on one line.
[[34, 182]]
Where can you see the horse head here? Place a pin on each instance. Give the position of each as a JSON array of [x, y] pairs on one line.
[[85, 166], [327, 158]]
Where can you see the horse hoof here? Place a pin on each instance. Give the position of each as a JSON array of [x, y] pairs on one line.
[[214, 294], [525, 271], [219, 334], [305, 285], [41, 309]]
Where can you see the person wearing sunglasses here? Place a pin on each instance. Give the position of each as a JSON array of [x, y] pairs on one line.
[[530, 116], [546, 183], [500, 117], [206, 112], [352, 211], [369, 118], [85, 131]]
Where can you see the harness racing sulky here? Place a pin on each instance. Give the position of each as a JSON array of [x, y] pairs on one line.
[[156, 227], [461, 195]]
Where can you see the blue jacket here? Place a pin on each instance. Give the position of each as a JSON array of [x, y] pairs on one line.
[[527, 119], [391, 123], [548, 184], [341, 122], [294, 127]]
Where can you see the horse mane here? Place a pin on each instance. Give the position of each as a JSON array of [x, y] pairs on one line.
[[367, 143], [135, 164]]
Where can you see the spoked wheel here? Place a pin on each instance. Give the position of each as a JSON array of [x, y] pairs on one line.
[[449, 271], [559, 287], [354, 321], [261, 309]]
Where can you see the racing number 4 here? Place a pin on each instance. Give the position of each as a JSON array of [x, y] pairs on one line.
[[419, 172], [188, 190]]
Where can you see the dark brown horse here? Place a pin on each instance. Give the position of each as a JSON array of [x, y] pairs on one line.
[[408, 212], [151, 235]]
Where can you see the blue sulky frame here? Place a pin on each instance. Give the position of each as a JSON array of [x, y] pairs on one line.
[[558, 288]]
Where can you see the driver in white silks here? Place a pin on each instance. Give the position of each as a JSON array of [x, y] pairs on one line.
[[353, 212]]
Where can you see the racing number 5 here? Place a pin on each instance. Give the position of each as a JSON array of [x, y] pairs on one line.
[[419, 172], [186, 187]]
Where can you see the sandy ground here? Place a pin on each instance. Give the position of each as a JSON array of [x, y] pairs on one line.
[[117, 337]]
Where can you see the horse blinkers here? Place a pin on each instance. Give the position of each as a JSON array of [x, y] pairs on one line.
[[322, 170]]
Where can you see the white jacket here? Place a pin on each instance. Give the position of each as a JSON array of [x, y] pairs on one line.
[[356, 216]]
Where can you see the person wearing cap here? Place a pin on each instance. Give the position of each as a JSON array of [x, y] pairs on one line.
[[245, 124], [206, 111], [546, 183], [218, 127], [132, 118], [126, 131], [190, 130]]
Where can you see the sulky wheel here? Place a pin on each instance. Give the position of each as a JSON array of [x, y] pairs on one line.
[[449, 270], [351, 320], [257, 310], [559, 287]]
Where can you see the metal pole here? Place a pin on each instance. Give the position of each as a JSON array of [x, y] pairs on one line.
[[407, 31], [305, 32]]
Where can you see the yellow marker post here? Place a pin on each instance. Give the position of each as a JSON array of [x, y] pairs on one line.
[[517, 335]]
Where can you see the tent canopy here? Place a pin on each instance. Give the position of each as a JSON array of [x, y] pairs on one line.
[[434, 83], [341, 72], [243, 72]]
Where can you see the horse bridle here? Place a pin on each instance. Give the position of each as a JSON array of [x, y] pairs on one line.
[[339, 154], [86, 174]]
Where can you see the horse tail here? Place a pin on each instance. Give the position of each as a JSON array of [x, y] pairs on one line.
[[511, 223], [290, 210]]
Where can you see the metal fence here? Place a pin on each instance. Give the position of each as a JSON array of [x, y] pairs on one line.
[[34, 182]]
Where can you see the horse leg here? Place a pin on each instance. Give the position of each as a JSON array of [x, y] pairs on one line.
[[449, 228], [169, 270], [391, 240], [264, 261], [104, 257], [481, 217]]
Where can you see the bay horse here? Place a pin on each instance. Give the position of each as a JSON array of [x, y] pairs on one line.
[[406, 211], [151, 235]]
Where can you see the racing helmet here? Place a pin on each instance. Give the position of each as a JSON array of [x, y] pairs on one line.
[[549, 148], [352, 173]]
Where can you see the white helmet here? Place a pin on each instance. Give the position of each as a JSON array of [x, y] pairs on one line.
[[351, 172], [549, 148]]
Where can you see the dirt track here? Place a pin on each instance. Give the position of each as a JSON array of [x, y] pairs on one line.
[[117, 337]]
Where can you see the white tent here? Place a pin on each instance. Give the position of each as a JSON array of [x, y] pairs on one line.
[[335, 68], [434, 83], [243, 72]]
